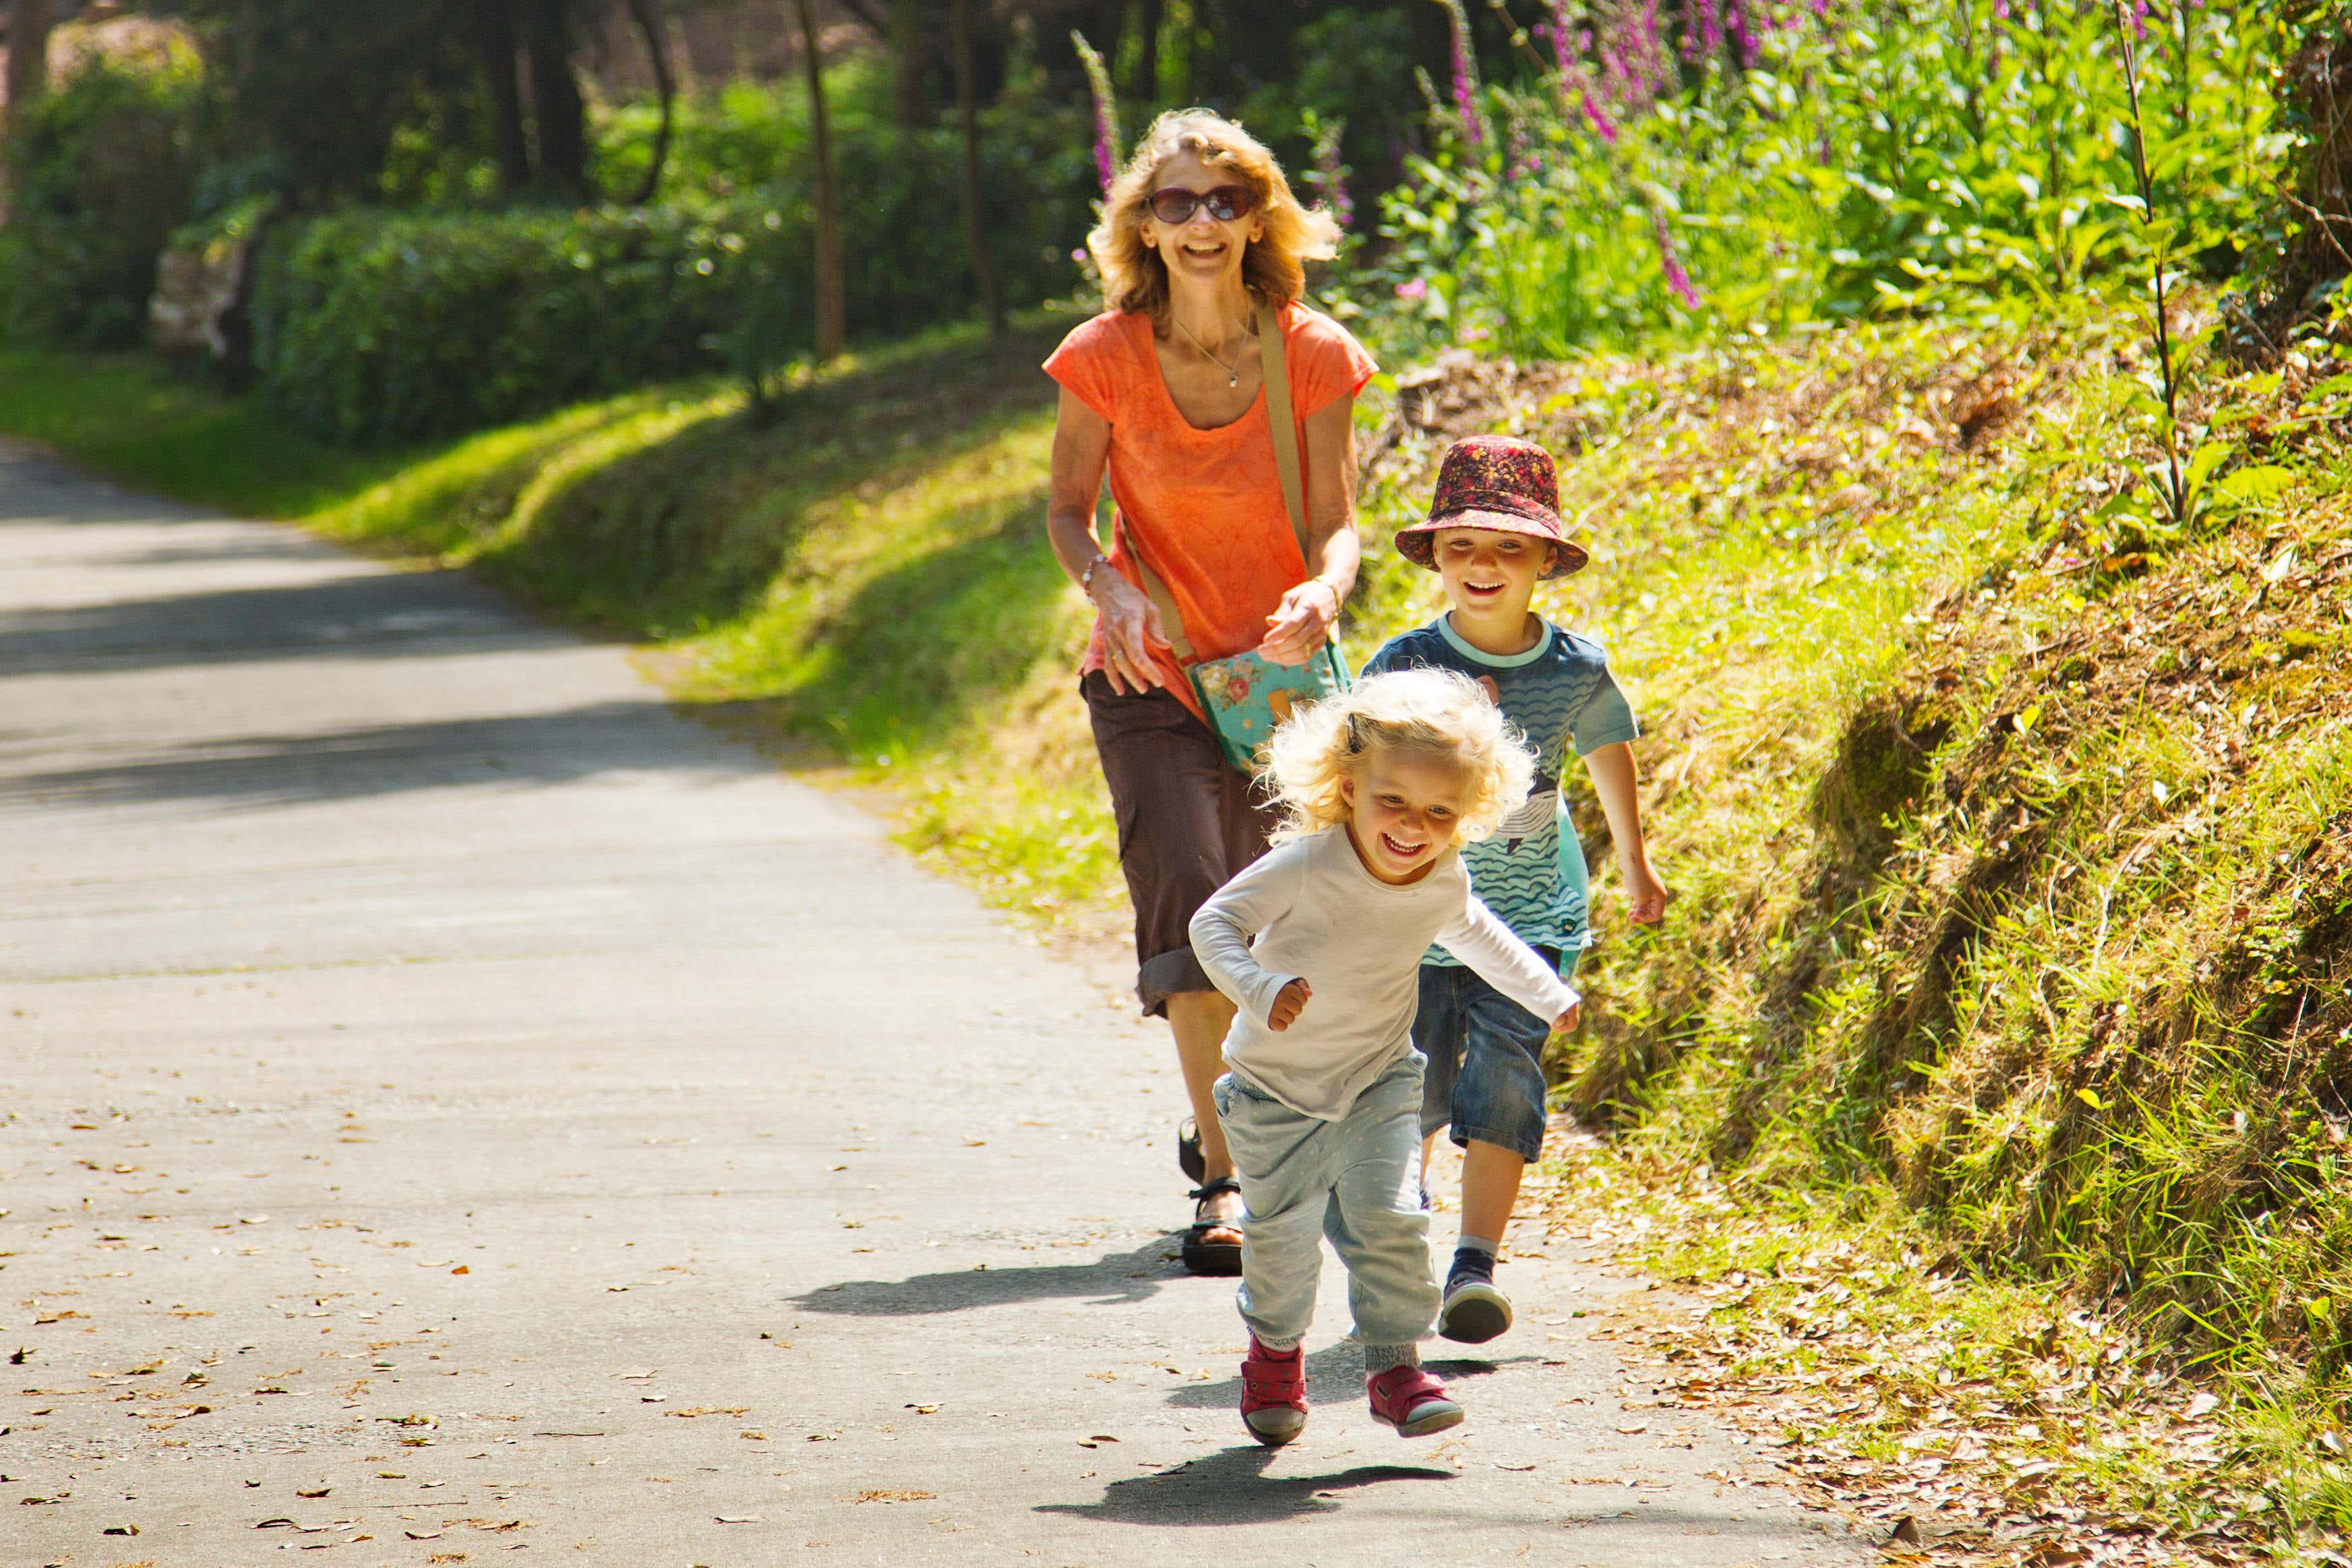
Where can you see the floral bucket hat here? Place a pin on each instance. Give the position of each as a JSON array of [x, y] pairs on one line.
[[1501, 483]]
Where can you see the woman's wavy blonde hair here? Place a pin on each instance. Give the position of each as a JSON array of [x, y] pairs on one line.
[[1431, 712], [1274, 265]]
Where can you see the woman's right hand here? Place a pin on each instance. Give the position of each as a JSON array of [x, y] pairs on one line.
[[1131, 634]]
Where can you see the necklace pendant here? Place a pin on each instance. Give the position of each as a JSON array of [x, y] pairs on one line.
[[1233, 378]]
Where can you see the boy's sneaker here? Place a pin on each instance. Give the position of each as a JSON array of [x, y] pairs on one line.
[[1274, 1393], [1475, 1308], [1409, 1399]]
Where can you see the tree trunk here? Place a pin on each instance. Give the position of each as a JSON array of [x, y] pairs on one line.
[[909, 54], [832, 301], [649, 23], [975, 233], [29, 22], [556, 110], [494, 41]]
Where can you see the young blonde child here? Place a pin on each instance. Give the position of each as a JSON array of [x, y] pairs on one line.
[[1319, 946]]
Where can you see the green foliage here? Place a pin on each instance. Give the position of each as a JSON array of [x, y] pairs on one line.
[[1910, 158], [371, 326], [335, 95], [99, 171], [907, 264], [128, 416], [379, 326]]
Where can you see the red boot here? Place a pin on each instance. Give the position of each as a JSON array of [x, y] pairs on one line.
[[1410, 1400], [1274, 1393]]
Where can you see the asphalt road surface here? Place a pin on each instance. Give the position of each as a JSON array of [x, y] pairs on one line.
[[456, 1107]]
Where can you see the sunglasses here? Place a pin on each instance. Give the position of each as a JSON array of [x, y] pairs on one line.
[[1172, 205]]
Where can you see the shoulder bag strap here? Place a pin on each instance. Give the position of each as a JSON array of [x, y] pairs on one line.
[[1275, 363], [1172, 620]]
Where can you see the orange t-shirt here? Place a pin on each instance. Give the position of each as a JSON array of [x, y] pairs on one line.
[[1205, 507]]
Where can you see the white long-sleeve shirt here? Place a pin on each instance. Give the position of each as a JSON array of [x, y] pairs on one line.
[[1316, 913]]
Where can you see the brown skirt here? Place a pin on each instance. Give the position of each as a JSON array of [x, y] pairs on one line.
[[1188, 821]]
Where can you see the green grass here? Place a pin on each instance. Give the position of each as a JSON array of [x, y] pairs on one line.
[[129, 419]]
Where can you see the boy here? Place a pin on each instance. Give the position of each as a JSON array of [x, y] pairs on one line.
[[1492, 532]]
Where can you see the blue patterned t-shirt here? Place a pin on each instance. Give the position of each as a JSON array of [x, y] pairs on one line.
[[1559, 692]]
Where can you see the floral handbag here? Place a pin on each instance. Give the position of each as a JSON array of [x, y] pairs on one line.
[[1246, 695]]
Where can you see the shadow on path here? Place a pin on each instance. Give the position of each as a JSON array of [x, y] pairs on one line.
[[346, 764], [364, 615], [1231, 1486], [1113, 1280]]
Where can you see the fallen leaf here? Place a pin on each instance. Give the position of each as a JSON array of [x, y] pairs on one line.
[[320, 1491], [881, 1494], [739, 1518], [461, 1268]]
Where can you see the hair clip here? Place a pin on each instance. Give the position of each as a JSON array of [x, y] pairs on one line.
[[1355, 733]]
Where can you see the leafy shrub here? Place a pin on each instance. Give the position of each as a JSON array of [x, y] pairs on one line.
[[100, 171], [374, 326]]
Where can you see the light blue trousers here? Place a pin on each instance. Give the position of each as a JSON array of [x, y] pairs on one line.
[[1358, 1181]]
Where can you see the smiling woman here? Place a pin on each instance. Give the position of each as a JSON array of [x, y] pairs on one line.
[[1165, 391]]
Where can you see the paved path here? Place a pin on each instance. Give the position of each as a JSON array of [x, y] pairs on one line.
[[456, 1107]]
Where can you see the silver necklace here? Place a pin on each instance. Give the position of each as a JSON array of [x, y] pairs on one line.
[[1233, 376]]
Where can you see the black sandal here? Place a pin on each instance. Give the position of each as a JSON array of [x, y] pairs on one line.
[[1188, 1150], [1203, 1255]]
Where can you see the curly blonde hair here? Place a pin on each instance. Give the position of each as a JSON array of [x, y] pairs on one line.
[[1432, 713], [1134, 276]]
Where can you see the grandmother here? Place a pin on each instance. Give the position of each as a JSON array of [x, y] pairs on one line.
[[1164, 389]]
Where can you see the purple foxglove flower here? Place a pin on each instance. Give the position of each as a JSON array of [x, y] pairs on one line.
[[1106, 110], [1465, 74], [1330, 177], [1743, 37], [1678, 277], [1703, 35]]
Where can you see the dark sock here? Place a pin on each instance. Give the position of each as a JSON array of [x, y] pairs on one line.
[[1471, 1263]]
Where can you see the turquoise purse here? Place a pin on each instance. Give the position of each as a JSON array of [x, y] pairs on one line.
[[1246, 696]]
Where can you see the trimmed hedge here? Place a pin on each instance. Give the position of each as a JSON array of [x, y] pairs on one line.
[[373, 326]]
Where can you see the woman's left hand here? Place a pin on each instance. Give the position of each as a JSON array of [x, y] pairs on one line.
[[1301, 623]]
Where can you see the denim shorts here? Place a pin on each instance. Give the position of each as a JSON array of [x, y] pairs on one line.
[[1484, 1078]]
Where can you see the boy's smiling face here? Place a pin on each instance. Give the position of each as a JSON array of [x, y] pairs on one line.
[[1489, 576]]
